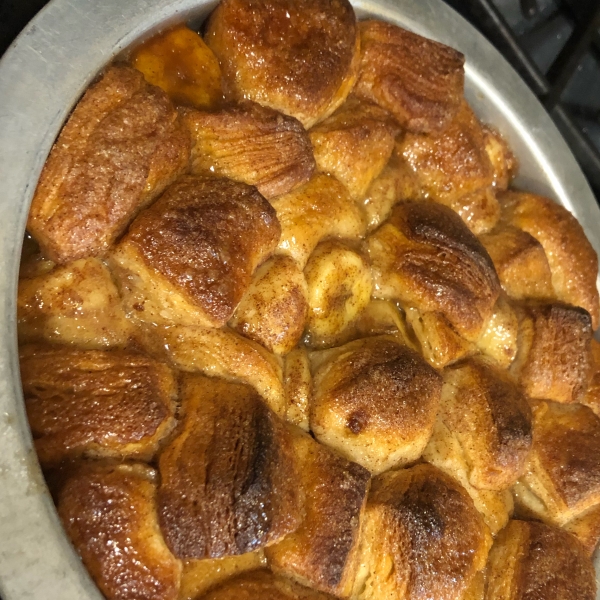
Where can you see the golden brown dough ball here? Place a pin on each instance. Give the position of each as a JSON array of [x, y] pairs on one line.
[[251, 143], [299, 57], [354, 144], [323, 552], [179, 62], [109, 513], [77, 303], [339, 289], [121, 147], [425, 257], [189, 258], [483, 408], [396, 182], [374, 401], [562, 480], [453, 167], [416, 79], [219, 353], [264, 585], [274, 308], [531, 561], [573, 262], [553, 359], [322, 208], [422, 538], [228, 480], [112, 403], [520, 261]]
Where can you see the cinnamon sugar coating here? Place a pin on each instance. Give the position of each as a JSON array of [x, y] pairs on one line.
[[109, 513], [299, 57], [189, 258], [228, 481], [112, 403], [121, 147], [251, 143], [416, 79]]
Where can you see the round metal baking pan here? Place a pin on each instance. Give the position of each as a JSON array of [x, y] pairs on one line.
[[41, 77]]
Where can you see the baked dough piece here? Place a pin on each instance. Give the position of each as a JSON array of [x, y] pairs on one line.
[[96, 403], [531, 561], [77, 303], [520, 262], [109, 512], [374, 401], [320, 209], [274, 308], [504, 162], [339, 288], [228, 481], [189, 258], [354, 144], [553, 359], [499, 338], [416, 79], [396, 182], [297, 381], [179, 62], [199, 576], [453, 167], [573, 261], [446, 453], [299, 57], [264, 585], [562, 479], [220, 353], [251, 143], [323, 552], [422, 538], [425, 256], [484, 409], [121, 147]]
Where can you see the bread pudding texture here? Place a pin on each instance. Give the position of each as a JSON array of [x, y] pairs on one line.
[[288, 331]]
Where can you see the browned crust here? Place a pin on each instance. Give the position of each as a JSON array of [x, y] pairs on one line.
[[532, 561], [573, 260], [453, 167], [264, 585], [435, 264], [291, 55], [438, 532], [322, 552], [592, 394], [109, 512], [206, 236], [228, 480], [354, 144], [485, 408], [96, 403], [120, 148], [418, 80], [520, 262], [253, 144], [567, 448], [375, 401], [553, 358]]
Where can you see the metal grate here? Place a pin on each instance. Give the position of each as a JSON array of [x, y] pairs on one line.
[[555, 46]]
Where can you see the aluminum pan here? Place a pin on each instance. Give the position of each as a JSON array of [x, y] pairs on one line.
[[41, 77]]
